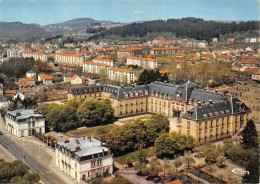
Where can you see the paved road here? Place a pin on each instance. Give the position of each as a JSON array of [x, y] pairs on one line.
[[47, 176]]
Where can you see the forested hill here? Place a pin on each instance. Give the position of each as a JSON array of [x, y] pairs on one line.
[[183, 28]]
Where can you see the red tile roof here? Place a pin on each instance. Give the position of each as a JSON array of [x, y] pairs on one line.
[[26, 79], [139, 58], [34, 53], [74, 77], [102, 59], [166, 71], [169, 48], [224, 56], [99, 64], [10, 91], [47, 77], [73, 55], [122, 70], [174, 182]]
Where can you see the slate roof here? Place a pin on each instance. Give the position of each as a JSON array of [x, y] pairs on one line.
[[86, 146], [23, 114], [229, 106]]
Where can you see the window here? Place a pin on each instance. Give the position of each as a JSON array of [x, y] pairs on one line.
[[217, 122], [188, 125], [188, 132], [211, 123], [93, 163], [199, 125]]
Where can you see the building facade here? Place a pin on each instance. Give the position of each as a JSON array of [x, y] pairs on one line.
[[143, 62], [83, 158], [24, 122], [122, 75], [95, 68], [103, 61], [35, 55], [173, 101], [69, 59], [14, 53]]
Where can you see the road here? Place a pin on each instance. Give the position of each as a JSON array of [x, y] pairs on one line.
[[47, 176]]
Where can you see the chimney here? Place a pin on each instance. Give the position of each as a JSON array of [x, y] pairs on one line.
[[210, 102], [89, 138], [77, 148], [76, 141], [67, 141], [122, 86], [18, 113]]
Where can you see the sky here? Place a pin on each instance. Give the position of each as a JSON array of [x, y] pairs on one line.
[[45, 12]]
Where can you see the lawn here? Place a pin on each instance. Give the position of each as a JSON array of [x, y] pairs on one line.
[[186, 179], [149, 152], [205, 176], [86, 131]]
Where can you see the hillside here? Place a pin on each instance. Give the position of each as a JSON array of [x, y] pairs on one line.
[[182, 28], [21, 32]]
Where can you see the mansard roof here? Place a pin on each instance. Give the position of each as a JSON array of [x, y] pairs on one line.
[[230, 105]]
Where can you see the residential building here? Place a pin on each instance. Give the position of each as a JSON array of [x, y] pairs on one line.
[[165, 51], [27, 81], [187, 102], [95, 68], [35, 55], [223, 57], [40, 77], [47, 80], [76, 80], [14, 53], [83, 158], [30, 74], [67, 77], [122, 75], [69, 59], [103, 61], [24, 122], [256, 76], [143, 62], [125, 53]]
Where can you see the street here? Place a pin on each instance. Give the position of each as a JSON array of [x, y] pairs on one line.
[[47, 176]]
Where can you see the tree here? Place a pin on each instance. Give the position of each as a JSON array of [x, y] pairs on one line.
[[164, 146], [211, 155], [250, 135], [32, 177], [95, 112], [166, 165], [189, 160], [221, 161], [178, 162]]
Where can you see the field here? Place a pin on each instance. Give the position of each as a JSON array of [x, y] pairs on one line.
[[86, 130]]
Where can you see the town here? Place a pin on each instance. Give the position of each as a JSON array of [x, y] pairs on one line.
[[129, 111]]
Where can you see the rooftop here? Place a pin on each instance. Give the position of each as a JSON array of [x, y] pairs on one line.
[[24, 113]]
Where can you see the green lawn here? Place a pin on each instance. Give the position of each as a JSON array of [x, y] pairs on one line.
[[86, 131], [149, 152]]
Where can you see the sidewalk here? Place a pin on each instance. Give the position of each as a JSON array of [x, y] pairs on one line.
[[44, 150]]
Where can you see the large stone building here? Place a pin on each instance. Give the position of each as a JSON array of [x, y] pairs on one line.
[[193, 107], [24, 122], [83, 158]]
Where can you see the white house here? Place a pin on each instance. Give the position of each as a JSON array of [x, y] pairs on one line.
[[24, 122], [40, 76], [14, 53], [67, 77], [83, 158], [30, 74], [122, 75], [47, 80], [76, 80]]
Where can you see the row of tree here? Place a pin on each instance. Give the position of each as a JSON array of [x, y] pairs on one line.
[[143, 134], [148, 76], [76, 113], [17, 67], [17, 172], [184, 28]]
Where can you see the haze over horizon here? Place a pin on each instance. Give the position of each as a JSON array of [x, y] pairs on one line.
[[45, 12]]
